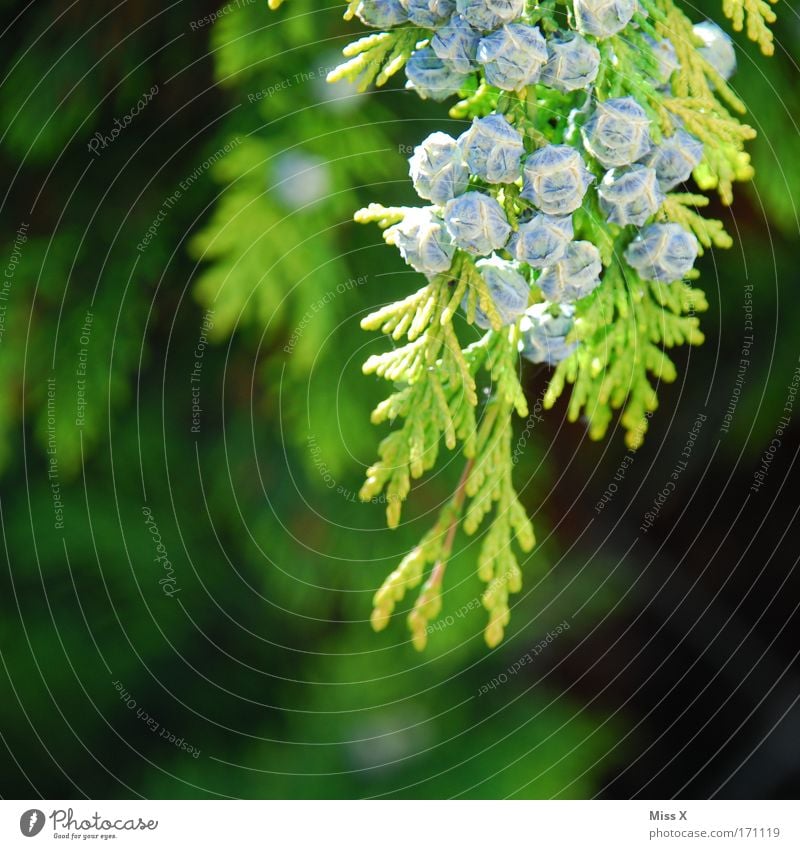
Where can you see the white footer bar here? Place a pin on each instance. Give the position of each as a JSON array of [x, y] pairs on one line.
[[402, 824]]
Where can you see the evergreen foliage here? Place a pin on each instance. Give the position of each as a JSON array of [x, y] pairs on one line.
[[645, 76]]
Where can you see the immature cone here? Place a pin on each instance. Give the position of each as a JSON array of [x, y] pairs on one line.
[[382, 14], [717, 48], [438, 170], [662, 252], [555, 179], [456, 44], [477, 223], [509, 290], [489, 14], [512, 56], [423, 241], [543, 240], [603, 18], [572, 63], [675, 159], [630, 195], [544, 333], [618, 133], [667, 58], [574, 276], [432, 78], [429, 13], [492, 149]]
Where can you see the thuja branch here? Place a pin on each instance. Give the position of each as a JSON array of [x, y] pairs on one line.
[[560, 222], [429, 602]]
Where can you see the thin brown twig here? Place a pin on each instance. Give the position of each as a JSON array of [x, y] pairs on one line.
[[437, 573]]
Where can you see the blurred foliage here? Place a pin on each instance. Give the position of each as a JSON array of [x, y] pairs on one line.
[[264, 660]]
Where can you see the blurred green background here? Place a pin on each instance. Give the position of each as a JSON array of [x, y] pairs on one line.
[[180, 351]]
